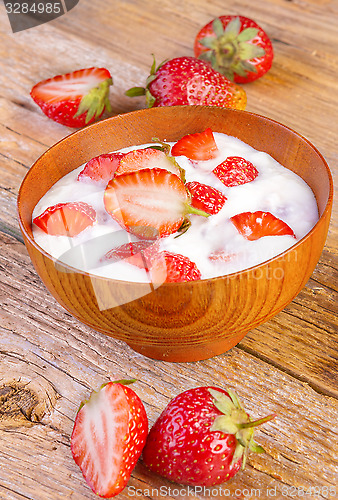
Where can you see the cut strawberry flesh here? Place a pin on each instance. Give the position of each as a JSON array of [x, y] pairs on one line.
[[150, 203], [200, 146], [101, 168], [255, 225], [66, 219], [69, 86], [141, 159], [108, 436], [235, 170]]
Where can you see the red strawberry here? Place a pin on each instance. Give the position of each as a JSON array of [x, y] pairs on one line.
[[138, 253], [74, 99], [168, 267], [101, 168], [201, 438], [205, 197], [236, 47], [235, 170], [108, 437], [150, 203], [66, 219], [200, 146], [140, 159], [255, 225], [187, 80]]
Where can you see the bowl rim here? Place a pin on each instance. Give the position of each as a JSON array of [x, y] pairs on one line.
[[231, 276]]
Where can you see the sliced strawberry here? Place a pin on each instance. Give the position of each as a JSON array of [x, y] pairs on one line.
[[168, 267], [109, 434], [150, 203], [66, 219], [235, 170], [138, 253], [200, 146], [205, 197], [255, 225], [74, 99], [101, 168], [140, 159]]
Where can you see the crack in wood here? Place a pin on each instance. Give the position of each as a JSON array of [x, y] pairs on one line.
[[20, 134]]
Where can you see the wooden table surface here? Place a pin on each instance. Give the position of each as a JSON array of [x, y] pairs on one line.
[[49, 361]]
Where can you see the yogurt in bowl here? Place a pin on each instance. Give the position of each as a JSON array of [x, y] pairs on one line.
[[236, 180]]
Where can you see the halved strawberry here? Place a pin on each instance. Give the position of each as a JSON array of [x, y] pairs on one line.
[[255, 225], [101, 168], [74, 99], [168, 267], [140, 159], [205, 197], [235, 170], [200, 146], [66, 219], [150, 203], [138, 253], [109, 434]]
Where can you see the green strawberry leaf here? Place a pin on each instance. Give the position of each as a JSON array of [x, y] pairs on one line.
[[208, 41], [233, 28], [249, 51], [247, 34], [135, 92], [217, 27], [207, 56]]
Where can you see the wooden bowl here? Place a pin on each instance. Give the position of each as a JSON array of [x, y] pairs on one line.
[[180, 321]]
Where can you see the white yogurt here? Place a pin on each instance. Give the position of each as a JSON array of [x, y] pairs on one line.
[[276, 190]]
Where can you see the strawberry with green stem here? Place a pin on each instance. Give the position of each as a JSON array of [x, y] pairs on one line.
[[236, 46], [74, 99], [150, 203], [202, 438], [189, 81]]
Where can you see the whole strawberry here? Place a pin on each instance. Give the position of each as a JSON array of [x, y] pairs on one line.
[[109, 433], [74, 99], [202, 438], [236, 47], [189, 81]]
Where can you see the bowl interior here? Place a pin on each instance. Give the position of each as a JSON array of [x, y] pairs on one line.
[[197, 325], [170, 124]]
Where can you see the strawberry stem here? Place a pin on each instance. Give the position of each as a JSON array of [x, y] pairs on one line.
[[196, 211], [254, 423]]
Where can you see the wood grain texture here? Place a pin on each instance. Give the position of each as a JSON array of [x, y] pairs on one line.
[[287, 365]]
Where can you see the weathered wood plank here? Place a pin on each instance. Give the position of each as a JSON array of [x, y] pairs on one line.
[[287, 365], [45, 345]]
